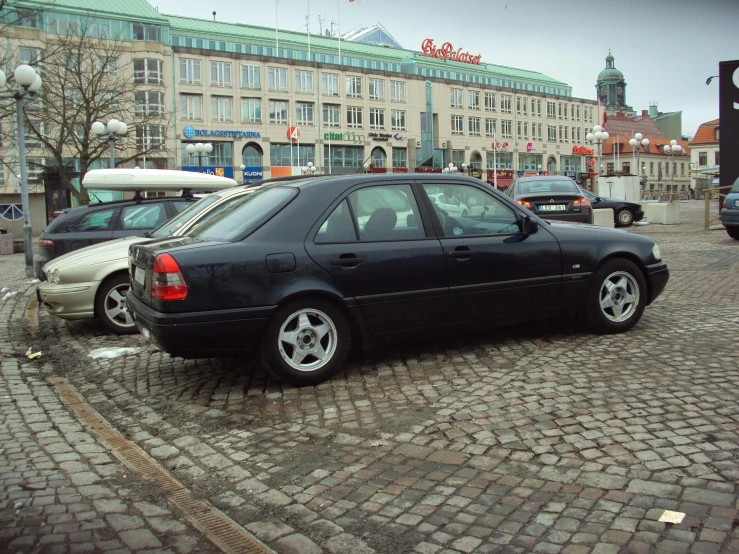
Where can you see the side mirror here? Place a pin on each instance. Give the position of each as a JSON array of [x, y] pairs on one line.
[[598, 199], [529, 226]]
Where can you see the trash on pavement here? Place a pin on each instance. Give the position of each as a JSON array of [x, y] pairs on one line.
[[672, 517], [112, 352]]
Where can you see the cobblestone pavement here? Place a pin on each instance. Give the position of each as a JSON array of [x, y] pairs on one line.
[[534, 439]]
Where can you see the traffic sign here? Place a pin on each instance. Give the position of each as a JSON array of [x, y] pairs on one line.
[[293, 134]]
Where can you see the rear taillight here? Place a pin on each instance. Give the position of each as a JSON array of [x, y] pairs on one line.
[[524, 203], [726, 203], [581, 203], [167, 281], [46, 243]]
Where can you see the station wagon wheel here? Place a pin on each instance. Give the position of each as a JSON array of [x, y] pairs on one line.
[[110, 305], [305, 341], [624, 217], [733, 232], [617, 296]]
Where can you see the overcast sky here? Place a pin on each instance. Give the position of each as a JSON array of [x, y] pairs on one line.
[[665, 49]]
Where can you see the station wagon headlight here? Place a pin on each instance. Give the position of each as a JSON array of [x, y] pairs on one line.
[[54, 277], [656, 253]]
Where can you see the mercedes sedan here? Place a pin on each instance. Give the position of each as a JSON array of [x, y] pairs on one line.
[[304, 269], [552, 197]]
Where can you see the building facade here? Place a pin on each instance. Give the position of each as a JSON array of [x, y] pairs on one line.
[[344, 106]]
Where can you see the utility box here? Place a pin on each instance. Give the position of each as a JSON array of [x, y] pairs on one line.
[[6, 242]]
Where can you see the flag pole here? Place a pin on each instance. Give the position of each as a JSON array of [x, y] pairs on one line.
[[495, 165], [308, 30], [277, 33], [338, 8]]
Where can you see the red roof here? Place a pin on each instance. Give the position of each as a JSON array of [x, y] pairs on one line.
[[706, 133], [622, 125], [656, 145]]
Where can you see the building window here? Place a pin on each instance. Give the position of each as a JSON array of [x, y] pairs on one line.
[[538, 108], [551, 110], [397, 120], [503, 160], [251, 110], [220, 74], [331, 115], [145, 32], [304, 113], [288, 155], [626, 167], [455, 98], [540, 127], [27, 18], [149, 137], [377, 89], [277, 79], [529, 162], [221, 108], [189, 72], [278, 112], [702, 158], [251, 76], [474, 126], [303, 81], [519, 129], [330, 84], [491, 127], [505, 103], [526, 130], [376, 118], [354, 87], [715, 134], [354, 117], [397, 91], [489, 101], [473, 99], [682, 169], [552, 133], [716, 157], [567, 133], [457, 125], [28, 56], [577, 113], [400, 157], [147, 72], [610, 167], [565, 111], [578, 134], [525, 106], [506, 128], [148, 103]]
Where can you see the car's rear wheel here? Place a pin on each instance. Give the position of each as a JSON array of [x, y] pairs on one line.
[[733, 232], [306, 341], [617, 296], [624, 217], [110, 305]]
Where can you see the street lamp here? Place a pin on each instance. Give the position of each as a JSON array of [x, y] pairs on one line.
[[711, 78], [598, 136], [539, 170], [311, 168], [242, 167], [199, 149], [465, 168], [29, 84], [114, 130], [366, 167], [636, 141], [671, 150]]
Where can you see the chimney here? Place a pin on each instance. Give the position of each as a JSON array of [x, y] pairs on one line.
[[644, 113], [653, 109]]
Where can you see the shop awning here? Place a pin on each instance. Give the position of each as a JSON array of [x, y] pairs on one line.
[[502, 182]]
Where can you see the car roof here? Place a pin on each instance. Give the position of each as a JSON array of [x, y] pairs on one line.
[[354, 178], [546, 178]]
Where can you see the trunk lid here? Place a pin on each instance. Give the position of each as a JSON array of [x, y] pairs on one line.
[[553, 203]]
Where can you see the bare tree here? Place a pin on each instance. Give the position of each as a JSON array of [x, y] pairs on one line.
[[85, 79]]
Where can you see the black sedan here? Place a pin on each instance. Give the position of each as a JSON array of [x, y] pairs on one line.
[[303, 269], [552, 197], [624, 213]]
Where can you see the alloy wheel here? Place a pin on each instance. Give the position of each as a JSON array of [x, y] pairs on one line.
[[115, 306], [619, 296], [307, 340]]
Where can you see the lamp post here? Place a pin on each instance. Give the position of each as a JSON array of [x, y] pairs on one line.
[[465, 168], [29, 83], [636, 142], [114, 130], [598, 136], [242, 167], [671, 151], [199, 149], [366, 167], [539, 170]]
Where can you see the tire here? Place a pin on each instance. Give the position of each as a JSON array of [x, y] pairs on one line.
[[624, 217], [465, 213], [301, 322], [733, 232], [110, 305], [613, 312]]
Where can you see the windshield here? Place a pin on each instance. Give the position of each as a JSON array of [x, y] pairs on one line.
[[245, 215], [543, 186], [168, 227], [589, 194]]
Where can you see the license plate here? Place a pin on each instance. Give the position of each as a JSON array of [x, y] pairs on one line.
[[552, 208], [736, 203], [139, 275]]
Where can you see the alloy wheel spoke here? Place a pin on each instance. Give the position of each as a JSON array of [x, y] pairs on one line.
[[303, 321], [128, 318], [321, 330], [298, 356], [116, 311], [630, 298], [609, 286], [290, 337], [606, 303], [319, 352], [623, 283], [117, 296], [618, 310]]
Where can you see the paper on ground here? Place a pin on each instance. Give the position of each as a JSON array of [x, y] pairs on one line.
[[112, 352], [672, 517]]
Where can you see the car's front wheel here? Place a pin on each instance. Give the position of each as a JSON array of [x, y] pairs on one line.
[[110, 305], [624, 217], [306, 341], [617, 296], [733, 232]]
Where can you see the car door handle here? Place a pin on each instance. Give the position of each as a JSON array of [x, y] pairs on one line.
[[461, 252], [347, 260]]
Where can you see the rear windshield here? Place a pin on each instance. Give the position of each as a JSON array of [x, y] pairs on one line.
[[244, 216], [534, 187], [170, 226], [735, 186]]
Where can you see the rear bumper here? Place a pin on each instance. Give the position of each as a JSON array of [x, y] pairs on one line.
[[200, 334], [585, 217], [729, 216], [657, 277]]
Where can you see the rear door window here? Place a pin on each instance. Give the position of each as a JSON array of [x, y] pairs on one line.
[[100, 220], [387, 212], [142, 216]]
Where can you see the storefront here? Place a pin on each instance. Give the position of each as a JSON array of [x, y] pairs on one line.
[[219, 162]]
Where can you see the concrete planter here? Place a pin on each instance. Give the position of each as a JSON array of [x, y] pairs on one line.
[[603, 217], [664, 213]]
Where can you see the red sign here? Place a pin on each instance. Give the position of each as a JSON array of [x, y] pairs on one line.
[[499, 145], [428, 170], [293, 133], [591, 163], [447, 52], [582, 151], [502, 173], [400, 170]]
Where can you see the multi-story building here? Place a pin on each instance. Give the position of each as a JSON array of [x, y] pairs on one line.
[[705, 161], [352, 103]]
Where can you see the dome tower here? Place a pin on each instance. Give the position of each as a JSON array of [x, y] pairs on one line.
[[611, 89]]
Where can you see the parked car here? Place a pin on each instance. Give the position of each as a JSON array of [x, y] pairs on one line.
[[92, 282], [450, 204], [552, 197], [730, 212], [99, 222], [288, 269], [624, 213]]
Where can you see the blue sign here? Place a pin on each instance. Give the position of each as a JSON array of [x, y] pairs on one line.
[[252, 174], [189, 132], [217, 170]]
